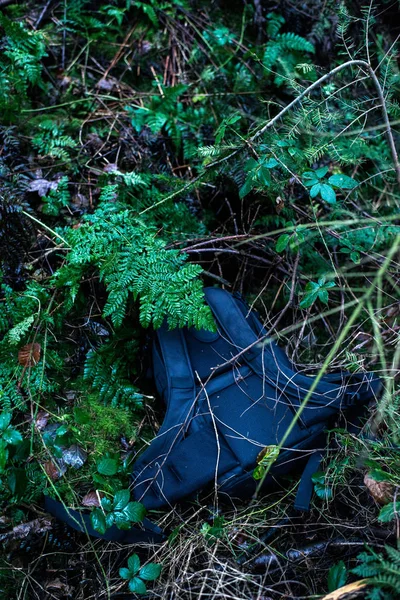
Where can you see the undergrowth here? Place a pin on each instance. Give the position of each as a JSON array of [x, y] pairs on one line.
[[145, 151]]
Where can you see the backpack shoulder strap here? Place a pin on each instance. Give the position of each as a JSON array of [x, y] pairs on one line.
[[336, 391], [81, 522]]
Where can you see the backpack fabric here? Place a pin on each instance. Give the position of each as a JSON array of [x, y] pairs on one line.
[[221, 411]]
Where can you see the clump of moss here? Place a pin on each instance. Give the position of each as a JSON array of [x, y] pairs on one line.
[[101, 427]]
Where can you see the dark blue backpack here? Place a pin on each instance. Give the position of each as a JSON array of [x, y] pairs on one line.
[[227, 398], [221, 411]]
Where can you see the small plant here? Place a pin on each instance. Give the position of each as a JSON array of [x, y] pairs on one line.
[[120, 512], [326, 189], [337, 576], [137, 575], [380, 571], [316, 291]]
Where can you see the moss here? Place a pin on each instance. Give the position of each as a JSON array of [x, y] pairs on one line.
[[104, 427]]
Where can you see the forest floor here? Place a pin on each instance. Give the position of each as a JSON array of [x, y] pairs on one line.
[[149, 148]]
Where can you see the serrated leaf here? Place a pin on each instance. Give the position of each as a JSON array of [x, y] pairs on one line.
[[121, 499], [315, 190], [121, 520], [135, 511], [328, 193], [134, 563], [98, 521], [137, 586], [337, 576], [106, 504], [282, 242], [343, 182], [107, 466], [125, 573], [150, 572]]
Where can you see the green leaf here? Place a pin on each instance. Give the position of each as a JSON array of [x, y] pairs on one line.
[[121, 520], [389, 512], [312, 286], [323, 296], [321, 172], [309, 178], [315, 190], [264, 176], [107, 466], [5, 420], [150, 571], [121, 499], [246, 187], [106, 504], [12, 436], [271, 163], [282, 242], [135, 511], [125, 573], [250, 165], [134, 563], [337, 576], [309, 299], [98, 520], [328, 193], [343, 182], [137, 586], [62, 430], [355, 257], [3, 455]]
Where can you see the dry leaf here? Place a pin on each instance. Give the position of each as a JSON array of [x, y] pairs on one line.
[[29, 355], [381, 491], [347, 592], [41, 420], [74, 456], [279, 204], [53, 471], [92, 498]]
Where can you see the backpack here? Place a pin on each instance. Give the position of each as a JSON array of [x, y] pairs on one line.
[[228, 397]]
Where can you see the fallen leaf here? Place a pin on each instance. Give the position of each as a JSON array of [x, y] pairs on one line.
[[54, 471], [42, 186], [29, 355], [279, 204], [347, 592], [74, 456], [381, 491], [92, 498], [41, 420]]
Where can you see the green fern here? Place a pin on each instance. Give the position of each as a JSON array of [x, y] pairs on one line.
[[381, 572], [133, 262]]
